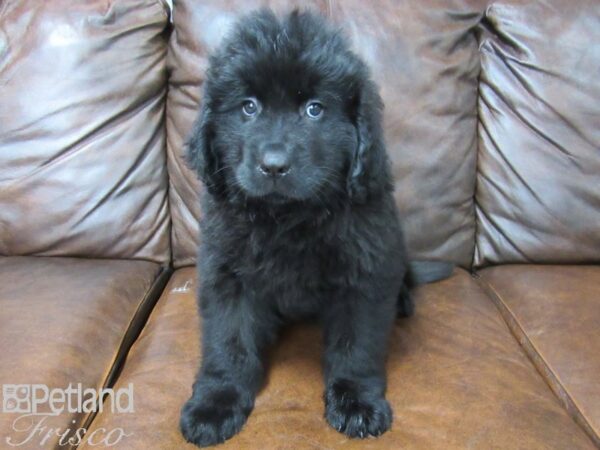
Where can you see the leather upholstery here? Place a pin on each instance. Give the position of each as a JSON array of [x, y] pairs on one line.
[[83, 147], [62, 320], [424, 57], [538, 181], [457, 379], [82, 161], [554, 312]]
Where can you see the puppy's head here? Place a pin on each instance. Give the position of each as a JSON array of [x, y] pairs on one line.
[[289, 114]]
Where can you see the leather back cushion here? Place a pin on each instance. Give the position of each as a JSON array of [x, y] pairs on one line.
[[538, 184], [423, 55], [82, 161]]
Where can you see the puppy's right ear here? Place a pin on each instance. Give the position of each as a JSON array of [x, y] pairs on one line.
[[369, 171], [200, 155]]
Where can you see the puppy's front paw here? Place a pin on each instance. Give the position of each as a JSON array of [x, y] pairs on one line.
[[355, 413], [212, 417]]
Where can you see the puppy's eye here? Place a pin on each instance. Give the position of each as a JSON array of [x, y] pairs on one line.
[[250, 108], [314, 110]]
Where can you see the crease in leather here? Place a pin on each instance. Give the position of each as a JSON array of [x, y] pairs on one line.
[[485, 213], [499, 151], [156, 226], [506, 59], [491, 22], [500, 96], [550, 377], [166, 8], [134, 166], [132, 332], [557, 221], [100, 130], [478, 31]]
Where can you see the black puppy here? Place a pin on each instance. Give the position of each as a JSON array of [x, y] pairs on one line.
[[298, 222]]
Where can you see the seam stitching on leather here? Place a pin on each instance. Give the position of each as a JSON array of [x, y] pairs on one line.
[[540, 364], [110, 377]]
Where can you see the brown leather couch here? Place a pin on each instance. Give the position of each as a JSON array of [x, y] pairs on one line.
[[493, 125]]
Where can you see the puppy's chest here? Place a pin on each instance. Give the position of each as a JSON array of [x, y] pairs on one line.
[[296, 267], [307, 260]]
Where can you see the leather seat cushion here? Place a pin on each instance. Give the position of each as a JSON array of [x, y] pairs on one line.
[[62, 320], [457, 379], [554, 311]]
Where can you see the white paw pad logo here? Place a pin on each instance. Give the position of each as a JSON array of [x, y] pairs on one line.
[[16, 398]]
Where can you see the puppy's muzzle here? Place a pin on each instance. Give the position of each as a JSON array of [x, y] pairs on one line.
[[274, 164]]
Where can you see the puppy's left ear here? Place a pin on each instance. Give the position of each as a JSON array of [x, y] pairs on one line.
[[200, 154], [369, 172]]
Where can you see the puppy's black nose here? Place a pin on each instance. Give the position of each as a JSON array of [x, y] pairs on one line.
[[274, 164]]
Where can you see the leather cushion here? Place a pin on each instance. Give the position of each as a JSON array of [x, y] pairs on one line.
[[424, 57], [538, 195], [62, 321], [457, 379], [82, 142], [554, 311]]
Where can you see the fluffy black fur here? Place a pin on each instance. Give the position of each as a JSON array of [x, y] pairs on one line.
[[298, 222]]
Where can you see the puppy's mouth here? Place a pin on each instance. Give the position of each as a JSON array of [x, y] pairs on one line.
[[274, 192], [275, 198]]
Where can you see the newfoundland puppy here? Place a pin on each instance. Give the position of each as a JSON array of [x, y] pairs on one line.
[[299, 222]]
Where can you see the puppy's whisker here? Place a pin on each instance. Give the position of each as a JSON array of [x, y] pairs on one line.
[[222, 168]]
